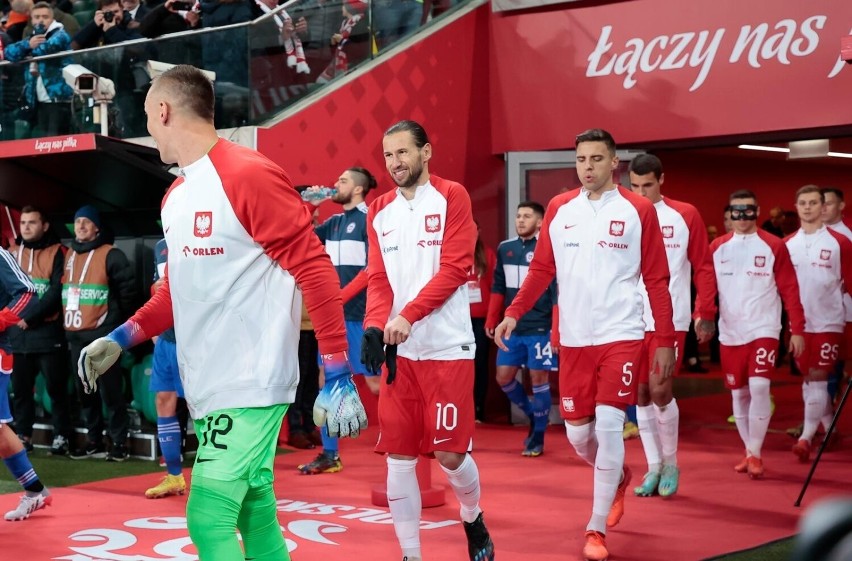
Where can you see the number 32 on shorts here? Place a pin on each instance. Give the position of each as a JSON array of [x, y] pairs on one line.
[[216, 427]]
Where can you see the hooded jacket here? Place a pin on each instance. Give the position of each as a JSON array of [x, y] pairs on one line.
[[50, 71]]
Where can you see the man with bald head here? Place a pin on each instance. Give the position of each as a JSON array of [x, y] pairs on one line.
[[244, 254]]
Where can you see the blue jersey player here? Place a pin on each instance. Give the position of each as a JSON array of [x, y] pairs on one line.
[[345, 238], [529, 345]]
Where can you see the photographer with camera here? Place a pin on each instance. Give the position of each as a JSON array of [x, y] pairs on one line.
[[108, 27], [46, 95]]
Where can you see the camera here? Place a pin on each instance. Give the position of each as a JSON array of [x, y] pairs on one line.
[[85, 82], [39, 29], [109, 16], [182, 5]]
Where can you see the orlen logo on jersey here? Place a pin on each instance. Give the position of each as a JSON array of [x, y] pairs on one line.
[[202, 251], [759, 261], [616, 228], [568, 404], [203, 225], [433, 223], [825, 254], [668, 231], [604, 243], [429, 243]]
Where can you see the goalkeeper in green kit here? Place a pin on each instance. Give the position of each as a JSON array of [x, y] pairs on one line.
[[244, 255]]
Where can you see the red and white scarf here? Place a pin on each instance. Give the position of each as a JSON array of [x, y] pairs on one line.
[[340, 62], [292, 44]]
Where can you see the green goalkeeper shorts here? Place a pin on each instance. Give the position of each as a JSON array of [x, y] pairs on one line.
[[239, 444]]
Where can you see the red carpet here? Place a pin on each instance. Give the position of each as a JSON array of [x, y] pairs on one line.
[[535, 508]]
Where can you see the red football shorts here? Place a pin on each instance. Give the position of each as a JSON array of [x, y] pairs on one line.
[[822, 351], [604, 374], [740, 362], [428, 407], [649, 348]]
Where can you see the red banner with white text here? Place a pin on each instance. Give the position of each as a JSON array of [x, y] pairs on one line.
[[657, 70]]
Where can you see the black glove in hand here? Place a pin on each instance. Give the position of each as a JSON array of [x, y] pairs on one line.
[[373, 351], [390, 359]]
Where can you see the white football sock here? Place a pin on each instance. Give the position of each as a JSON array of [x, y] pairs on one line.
[[465, 483], [650, 436], [759, 413], [815, 396], [741, 399], [405, 504], [609, 463], [668, 418]]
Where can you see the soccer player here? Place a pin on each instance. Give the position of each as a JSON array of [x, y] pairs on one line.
[[345, 238], [752, 274], [530, 343], [422, 237], [685, 238], [165, 383], [823, 262], [597, 241], [245, 242], [17, 297]]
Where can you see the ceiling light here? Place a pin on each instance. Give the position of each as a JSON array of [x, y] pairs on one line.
[[787, 150], [764, 148]]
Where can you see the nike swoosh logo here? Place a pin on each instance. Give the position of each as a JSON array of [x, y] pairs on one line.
[[166, 231], [569, 226], [390, 500], [388, 232], [200, 460], [439, 441], [724, 260], [760, 370], [622, 393]]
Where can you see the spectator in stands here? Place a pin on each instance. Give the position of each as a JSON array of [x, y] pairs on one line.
[[136, 12], [396, 19], [46, 95], [165, 382], [109, 26], [479, 281], [38, 340], [18, 19], [165, 19], [16, 297], [315, 22], [60, 14], [99, 293], [351, 42]]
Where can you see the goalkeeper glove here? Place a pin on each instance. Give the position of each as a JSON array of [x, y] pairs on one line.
[[98, 356], [95, 359], [338, 405], [374, 353]]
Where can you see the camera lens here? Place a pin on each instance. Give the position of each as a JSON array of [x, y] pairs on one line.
[[109, 16]]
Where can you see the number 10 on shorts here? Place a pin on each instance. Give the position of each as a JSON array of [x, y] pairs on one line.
[[447, 417]]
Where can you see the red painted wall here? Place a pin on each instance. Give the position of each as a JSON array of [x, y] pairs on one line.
[[441, 82]]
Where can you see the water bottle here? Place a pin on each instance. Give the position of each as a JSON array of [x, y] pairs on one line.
[[316, 195]]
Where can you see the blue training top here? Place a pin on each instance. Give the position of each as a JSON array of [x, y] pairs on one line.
[[513, 263], [16, 285], [345, 238]]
